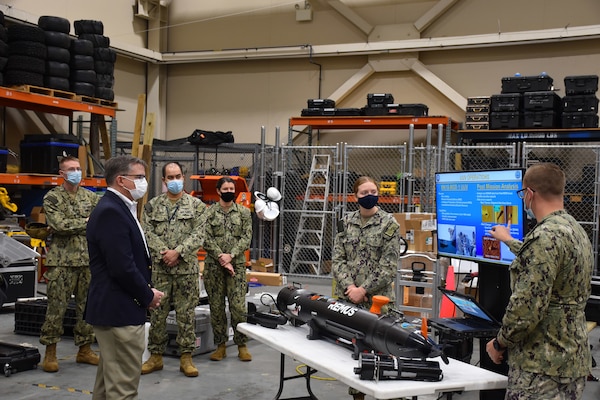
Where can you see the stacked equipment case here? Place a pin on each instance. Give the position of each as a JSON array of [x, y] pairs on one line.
[[580, 104]]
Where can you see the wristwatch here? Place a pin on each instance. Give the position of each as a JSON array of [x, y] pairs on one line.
[[497, 345]]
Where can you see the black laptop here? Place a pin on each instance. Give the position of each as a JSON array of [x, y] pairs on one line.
[[477, 322]]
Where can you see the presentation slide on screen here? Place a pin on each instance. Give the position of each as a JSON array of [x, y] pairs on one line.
[[469, 204]]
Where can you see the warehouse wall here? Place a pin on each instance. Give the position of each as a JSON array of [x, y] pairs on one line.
[[244, 95]]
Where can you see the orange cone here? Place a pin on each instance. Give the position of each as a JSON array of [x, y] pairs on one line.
[[447, 309]]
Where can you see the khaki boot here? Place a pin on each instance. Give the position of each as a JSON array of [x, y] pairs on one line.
[[154, 363], [86, 355], [220, 353], [187, 366], [243, 353], [50, 363]]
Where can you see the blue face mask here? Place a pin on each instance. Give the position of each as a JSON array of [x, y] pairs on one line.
[[369, 201], [529, 212], [73, 177], [175, 186]]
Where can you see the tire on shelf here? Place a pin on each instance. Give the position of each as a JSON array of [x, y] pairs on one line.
[[27, 48], [97, 40], [26, 63], [105, 80], [57, 69], [105, 54], [83, 88], [56, 24], [21, 32], [3, 49], [105, 93], [58, 39], [58, 83], [58, 54], [3, 61], [12, 78], [83, 75], [79, 61], [82, 47], [3, 34], [104, 67], [83, 26]]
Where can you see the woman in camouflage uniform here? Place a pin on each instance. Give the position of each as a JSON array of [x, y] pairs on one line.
[[366, 252], [228, 235]]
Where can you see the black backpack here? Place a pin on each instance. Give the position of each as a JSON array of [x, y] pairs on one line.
[[202, 137]]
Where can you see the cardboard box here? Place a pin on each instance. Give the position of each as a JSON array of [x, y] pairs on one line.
[[418, 230], [266, 278], [262, 265], [37, 215]]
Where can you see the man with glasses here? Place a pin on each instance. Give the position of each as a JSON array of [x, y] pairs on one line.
[[543, 333], [67, 208]]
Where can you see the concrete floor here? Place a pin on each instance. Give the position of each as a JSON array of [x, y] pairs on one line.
[[229, 379]]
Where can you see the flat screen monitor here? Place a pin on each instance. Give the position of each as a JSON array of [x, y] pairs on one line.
[[468, 204]]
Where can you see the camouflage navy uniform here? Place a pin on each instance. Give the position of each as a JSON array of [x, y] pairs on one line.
[[367, 255], [544, 326], [176, 226], [68, 262], [227, 232]]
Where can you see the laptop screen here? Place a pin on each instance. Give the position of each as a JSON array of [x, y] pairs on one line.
[[467, 305]]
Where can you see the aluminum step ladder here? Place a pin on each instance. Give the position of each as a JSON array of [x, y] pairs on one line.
[[308, 248]]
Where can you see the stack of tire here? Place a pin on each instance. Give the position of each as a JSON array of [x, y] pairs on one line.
[[3, 48], [26, 63], [58, 55], [104, 56]]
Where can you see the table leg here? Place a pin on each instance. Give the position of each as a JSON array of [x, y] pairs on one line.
[[283, 378]]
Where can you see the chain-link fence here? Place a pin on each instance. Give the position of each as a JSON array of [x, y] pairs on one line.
[[579, 162]]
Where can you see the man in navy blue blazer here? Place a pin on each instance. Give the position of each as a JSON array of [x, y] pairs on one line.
[[120, 289]]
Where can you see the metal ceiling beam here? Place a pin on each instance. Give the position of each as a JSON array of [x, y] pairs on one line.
[[384, 47], [434, 13]]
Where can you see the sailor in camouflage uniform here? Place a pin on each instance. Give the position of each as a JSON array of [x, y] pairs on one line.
[[544, 328], [67, 208], [366, 252], [174, 226], [228, 236]]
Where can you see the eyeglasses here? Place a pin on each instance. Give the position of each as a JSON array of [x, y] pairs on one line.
[[136, 176], [521, 193]]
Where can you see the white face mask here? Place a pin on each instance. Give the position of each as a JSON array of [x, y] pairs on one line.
[[141, 185]]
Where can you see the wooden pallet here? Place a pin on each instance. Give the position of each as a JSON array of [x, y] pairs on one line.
[[45, 91], [94, 100]]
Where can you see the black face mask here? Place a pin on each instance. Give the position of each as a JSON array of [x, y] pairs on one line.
[[227, 196], [368, 201]]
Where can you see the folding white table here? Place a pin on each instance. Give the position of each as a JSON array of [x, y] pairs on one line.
[[337, 362]]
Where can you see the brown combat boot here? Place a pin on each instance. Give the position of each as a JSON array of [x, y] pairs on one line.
[[220, 353], [187, 366], [154, 363], [358, 396], [86, 355], [243, 353], [50, 363]]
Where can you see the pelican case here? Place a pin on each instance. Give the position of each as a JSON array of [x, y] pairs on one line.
[[581, 84], [506, 102], [580, 103], [17, 358], [379, 99], [321, 103], [522, 84], [40, 152], [3, 159], [541, 119], [505, 120], [541, 101], [580, 120]]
